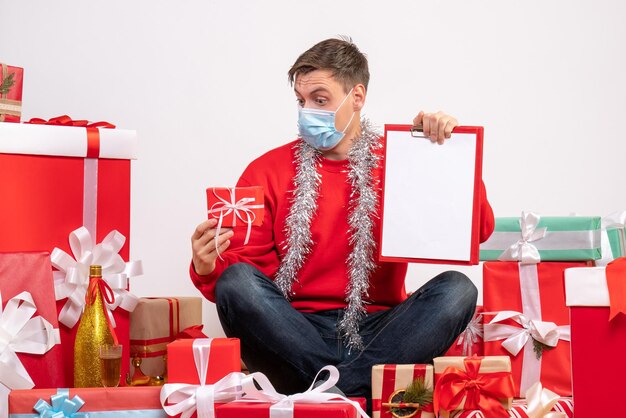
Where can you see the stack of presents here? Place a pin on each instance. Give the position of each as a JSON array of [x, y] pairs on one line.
[[549, 330]]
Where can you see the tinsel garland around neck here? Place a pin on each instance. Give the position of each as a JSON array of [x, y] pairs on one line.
[[362, 159]]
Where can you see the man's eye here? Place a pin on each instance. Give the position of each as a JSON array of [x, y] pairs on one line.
[[320, 101], [300, 102]]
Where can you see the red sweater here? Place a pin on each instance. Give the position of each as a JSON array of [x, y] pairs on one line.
[[323, 277]]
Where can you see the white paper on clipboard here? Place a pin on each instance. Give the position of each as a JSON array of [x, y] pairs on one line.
[[428, 197]]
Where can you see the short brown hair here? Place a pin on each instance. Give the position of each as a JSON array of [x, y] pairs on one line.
[[347, 64]]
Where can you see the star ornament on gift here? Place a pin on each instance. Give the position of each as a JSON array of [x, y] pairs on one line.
[[72, 278]]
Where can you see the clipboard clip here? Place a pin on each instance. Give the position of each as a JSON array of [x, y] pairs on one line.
[[417, 131]]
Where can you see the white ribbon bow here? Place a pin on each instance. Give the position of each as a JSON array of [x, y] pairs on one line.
[[523, 250], [471, 335], [21, 332], [614, 220], [185, 399], [72, 279], [540, 402], [515, 338], [240, 208], [283, 405]]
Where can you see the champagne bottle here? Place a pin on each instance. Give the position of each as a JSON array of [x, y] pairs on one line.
[[93, 331]]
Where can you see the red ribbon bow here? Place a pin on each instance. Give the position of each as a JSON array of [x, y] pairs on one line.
[[98, 285], [65, 120], [616, 282], [480, 390], [93, 135], [192, 332]]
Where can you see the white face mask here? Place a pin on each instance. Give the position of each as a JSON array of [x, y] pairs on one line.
[[317, 126]]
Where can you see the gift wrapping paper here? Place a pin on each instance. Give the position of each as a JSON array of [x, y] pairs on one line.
[[236, 206], [470, 342], [58, 179], [156, 322], [613, 237], [300, 410], [598, 342], [519, 409], [224, 358], [537, 293], [140, 402], [11, 83], [388, 378], [569, 238], [489, 364]]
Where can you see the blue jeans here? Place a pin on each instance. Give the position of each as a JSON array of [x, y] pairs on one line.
[[290, 347]]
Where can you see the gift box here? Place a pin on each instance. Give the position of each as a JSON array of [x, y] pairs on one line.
[[236, 206], [223, 358], [11, 81], [564, 406], [156, 322], [30, 355], [96, 402], [61, 179], [470, 341], [467, 383], [391, 381], [532, 238], [613, 238], [532, 322], [303, 410], [596, 296]]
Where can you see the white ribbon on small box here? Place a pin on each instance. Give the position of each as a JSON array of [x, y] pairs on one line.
[[531, 327], [471, 335], [540, 402], [242, 209], [72, 279], [524, 250], [21, 332], [614, 220], [283, 405]]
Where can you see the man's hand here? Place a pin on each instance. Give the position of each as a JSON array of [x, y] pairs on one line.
[[203, 246], [437, 126]]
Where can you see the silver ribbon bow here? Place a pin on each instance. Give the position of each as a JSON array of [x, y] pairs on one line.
[[523, 250]]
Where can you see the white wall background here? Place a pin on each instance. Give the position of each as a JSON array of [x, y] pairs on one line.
[[204, 83]]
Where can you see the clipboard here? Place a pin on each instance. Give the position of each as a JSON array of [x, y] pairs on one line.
[[430, 207]]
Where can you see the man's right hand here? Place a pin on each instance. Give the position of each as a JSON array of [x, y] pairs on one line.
[[203, 246]]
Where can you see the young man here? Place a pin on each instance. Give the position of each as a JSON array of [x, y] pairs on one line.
[[307, 290]]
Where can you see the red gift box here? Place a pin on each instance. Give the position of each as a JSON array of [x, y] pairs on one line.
[[224, 358], [520, 410], [54, 189], [598, 343], [534, 297], [300, 410], [32, 273], [11, 80], [236, 206], [132, 401], [470, 341]]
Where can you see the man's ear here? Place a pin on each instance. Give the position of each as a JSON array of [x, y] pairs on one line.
[[359, 94]]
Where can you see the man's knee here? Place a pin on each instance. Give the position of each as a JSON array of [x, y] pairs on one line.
[[232, 280], [460, 291]]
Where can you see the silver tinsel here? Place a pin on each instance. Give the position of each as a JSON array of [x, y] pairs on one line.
[[362, 159]]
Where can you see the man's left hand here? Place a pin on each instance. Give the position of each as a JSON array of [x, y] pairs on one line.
[[437, 126]]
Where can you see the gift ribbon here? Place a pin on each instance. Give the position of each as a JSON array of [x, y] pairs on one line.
[[61, 406], [531, 327], [615, 220], [240, 208], [471, 335], [283, 405], [540, 402], [523, 250], [185, 399], [98, 285], [72, 279], [616, 283], [389, 385], [21, 332], [480, 390]]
